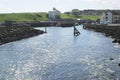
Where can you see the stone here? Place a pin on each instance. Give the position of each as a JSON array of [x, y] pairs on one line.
[[119, 64], [111, 58], [114, 41]]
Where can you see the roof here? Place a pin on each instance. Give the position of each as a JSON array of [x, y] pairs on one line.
[[116, 12]]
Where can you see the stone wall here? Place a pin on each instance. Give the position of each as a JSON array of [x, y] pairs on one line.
[[109, 30], [9, 34]]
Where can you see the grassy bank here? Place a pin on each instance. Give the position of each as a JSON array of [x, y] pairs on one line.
[[90, 17], [41, 16]]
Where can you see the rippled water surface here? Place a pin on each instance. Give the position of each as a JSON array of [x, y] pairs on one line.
[[58, 55]]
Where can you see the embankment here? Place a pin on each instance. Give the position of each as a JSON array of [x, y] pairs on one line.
[[109, 30], [9, 34]]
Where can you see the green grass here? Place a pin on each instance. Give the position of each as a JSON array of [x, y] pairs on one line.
[[90, 17], [64, 16], [40, 16], [23, 17], [80, 16]]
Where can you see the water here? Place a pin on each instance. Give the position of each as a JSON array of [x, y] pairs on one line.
[[58, 55]]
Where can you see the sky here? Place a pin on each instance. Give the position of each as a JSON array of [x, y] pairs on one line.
[[16, 6]]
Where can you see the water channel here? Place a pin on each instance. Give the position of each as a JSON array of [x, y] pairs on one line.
[[59, 55]]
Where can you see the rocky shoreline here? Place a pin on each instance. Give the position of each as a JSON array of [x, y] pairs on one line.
[[110, 31], [113, 34], [10, 34]]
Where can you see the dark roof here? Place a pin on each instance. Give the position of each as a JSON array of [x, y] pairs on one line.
[[116, 12]]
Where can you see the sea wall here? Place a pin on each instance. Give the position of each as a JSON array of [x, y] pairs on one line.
[[9, 34], [109, 30], [105, 27]]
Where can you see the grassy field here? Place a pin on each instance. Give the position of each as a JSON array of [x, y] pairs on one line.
[[23, 17], [40, 16], [90, 17], [63, 16], [80, 16]]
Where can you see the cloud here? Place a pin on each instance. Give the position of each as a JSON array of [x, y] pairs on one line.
[[4, 9], [109, 4], [63, 5]]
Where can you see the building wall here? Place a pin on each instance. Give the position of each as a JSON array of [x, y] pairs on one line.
[[91, 12], [106, 18], [53, 14], [102, 19], [109, 17], [116, 18]]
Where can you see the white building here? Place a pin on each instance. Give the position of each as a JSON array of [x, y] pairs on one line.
[[110, 17], [55, 14]]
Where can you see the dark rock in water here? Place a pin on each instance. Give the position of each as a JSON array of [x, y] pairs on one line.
[[114, 41], [107, 34], [119, 41], [111, 58], [119, 64]]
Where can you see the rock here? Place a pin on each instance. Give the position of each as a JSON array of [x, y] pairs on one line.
[[114, 41], [119, 64], [111, 58], [119, 41], [9, 34]]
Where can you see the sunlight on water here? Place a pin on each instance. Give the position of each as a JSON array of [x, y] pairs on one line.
[[58, 55], [98, 71], [117, 45]]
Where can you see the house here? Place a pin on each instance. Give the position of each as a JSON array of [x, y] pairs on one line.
[[110, 17], [75, 12], [54, 15], [91, 12]]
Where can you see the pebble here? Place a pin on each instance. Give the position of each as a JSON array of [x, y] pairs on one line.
[[119, 64], [111, 58]]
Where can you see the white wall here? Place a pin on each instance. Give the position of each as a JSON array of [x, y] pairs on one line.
[[53, 14], [109, 17], [102, 19], [106, 18]]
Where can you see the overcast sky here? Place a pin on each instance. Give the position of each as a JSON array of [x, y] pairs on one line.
[[10, 6]]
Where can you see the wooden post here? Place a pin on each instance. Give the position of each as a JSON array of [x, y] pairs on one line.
[[45, 29], [76, 32]]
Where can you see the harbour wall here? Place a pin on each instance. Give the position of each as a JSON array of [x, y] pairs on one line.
[[112, 30]]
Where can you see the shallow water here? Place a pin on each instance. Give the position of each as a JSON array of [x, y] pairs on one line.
[[58, 55]]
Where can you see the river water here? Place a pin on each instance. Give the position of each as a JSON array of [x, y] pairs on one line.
[[58, 55]]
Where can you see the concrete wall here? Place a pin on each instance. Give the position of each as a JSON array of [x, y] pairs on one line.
[[104, 27], [116, 18]]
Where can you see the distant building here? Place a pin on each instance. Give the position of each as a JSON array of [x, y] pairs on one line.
[[87, 12], [54, 15], [91, 12], [75, 12], [116, 17], [110, 17]]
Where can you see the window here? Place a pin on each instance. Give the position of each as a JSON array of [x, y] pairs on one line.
[[115, 17]]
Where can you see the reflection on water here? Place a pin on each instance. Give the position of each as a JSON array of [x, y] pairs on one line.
[[58, 55]]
